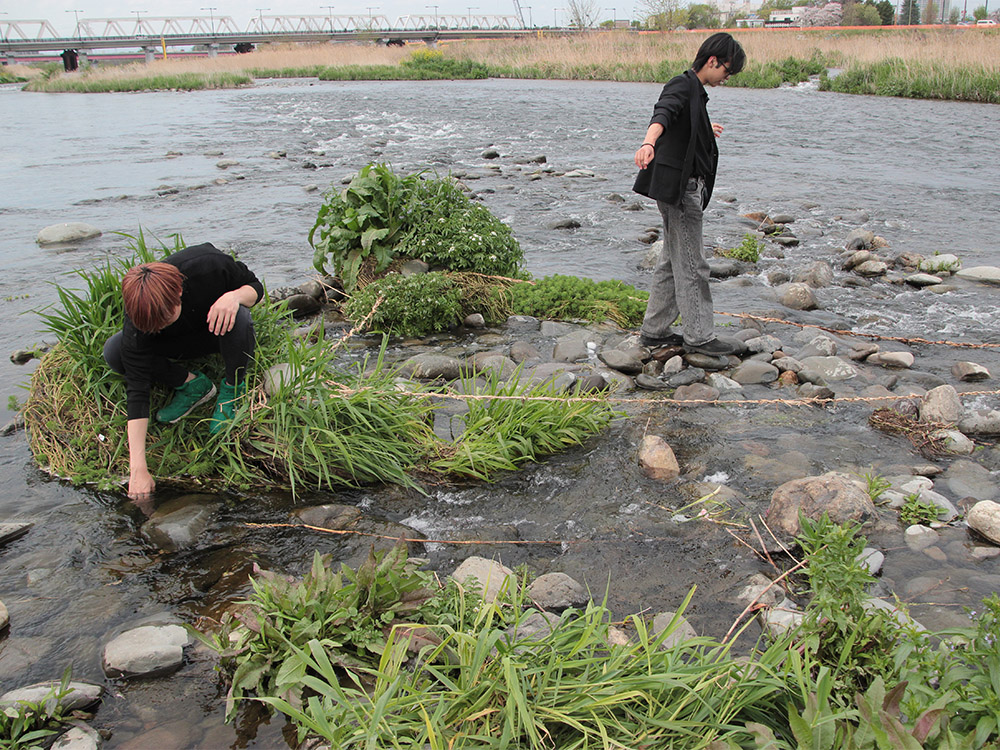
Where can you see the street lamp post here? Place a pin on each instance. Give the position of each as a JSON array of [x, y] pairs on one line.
[[211, 17], [435, 7], [471, 8], [370, 9], [329, 16], [614, 13], [260, 19], [138, 21], [531, 23]]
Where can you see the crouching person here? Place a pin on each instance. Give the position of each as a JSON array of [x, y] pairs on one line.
[[194, 303]]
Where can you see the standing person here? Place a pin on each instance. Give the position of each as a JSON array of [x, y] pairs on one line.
[[196, 302], [677, 162]]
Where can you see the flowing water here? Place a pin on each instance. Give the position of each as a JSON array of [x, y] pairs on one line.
[[914, 172]]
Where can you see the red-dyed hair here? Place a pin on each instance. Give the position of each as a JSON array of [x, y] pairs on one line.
[[152, 292]]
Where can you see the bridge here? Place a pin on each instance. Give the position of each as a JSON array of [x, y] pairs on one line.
[[152, 33]]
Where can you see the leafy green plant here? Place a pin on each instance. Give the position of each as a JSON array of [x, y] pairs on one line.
[[853, 641], [365, 220], [28, 725], [917, 510], [413, 305], [574, 298], [748, 250], [875, 485]]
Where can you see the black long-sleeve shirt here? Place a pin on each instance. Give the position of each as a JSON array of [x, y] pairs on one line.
[[208, 274]]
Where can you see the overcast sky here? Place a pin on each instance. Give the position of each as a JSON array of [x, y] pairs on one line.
[[59, 12]]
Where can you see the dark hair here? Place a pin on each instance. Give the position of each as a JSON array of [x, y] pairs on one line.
[[151, 293], [723, 48]]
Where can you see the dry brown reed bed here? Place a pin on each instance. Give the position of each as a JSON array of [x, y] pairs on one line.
[[948, 46]]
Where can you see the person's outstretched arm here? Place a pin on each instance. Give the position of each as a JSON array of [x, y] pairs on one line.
[[222, 314], [140, 481]]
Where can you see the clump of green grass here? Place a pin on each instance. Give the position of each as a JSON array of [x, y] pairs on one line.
[[575, 298], [422, 65], [916, 80], [916, 510], [175, 82], [748, 250], [32, 724]]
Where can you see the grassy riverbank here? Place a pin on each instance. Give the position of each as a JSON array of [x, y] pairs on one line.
[[937, 63]]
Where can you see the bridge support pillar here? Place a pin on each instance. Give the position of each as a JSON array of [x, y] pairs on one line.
[[432, 43], [213, 50], [150, 53]]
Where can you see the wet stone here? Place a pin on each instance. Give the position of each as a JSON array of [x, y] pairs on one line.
[[79, 696], [522, 323], [429, 366], [966, 478], [797, 296], [838, 495], [4, 617], [303, 305], [650, 383], [955, 443], [522, 351], [984, 518], [941, 404], [73, 231], [330, 516], [970, 372], [981, 422], [922, 279], [657, 459], [490, 575], [782, 618], [13, 530], [755, 372], [892, 359], [621, 361], [474, 320], [696, 392], [824, 370], [79, 737], [178, 523], [983, 274], [686, 377], [146, 651], [871, 559], [919, 537]]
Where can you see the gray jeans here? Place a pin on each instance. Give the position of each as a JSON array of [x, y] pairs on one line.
[[680, 279]]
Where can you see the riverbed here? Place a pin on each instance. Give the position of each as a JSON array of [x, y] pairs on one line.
[[913, 172]]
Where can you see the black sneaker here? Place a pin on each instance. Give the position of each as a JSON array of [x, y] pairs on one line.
[[714, 347], [654, 342]]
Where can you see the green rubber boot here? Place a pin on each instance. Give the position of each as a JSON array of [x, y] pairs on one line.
[[225, 405], [186, 398]]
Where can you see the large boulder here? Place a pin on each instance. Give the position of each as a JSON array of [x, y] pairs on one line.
[[941, 404], [657, 460], [146, 651], [984, 518], [840, 496], [78, 697], [73, 231], [178, 523], [430, 366], [797, 296]]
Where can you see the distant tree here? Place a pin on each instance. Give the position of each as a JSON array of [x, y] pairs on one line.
[[954, 16], [931, 12], [887, 11], [769, 5], [979, 13], [860, 14], [663, 14], [583, 13], [702, 16], [909, 13]]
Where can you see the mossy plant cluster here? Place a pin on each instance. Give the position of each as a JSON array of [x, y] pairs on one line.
[[381, 219], [324, 427], [388, 657]]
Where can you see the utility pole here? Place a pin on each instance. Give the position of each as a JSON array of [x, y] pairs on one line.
[[435, 7], [260, 19], [76, 15], [471, 8], [370, 9], [138, 21], [329, 16]]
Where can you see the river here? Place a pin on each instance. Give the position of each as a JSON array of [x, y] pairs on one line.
[[917, 173]]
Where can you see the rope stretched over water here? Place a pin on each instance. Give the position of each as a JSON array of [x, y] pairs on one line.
[[354, 532], [900, 339]]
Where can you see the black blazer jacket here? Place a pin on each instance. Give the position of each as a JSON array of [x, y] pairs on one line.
[[681, 110]]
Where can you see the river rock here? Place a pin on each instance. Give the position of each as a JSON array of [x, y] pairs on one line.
[[955, 443], [303, 305], [696, 392], [922, 279], [474, 320], [871, 268], [787, 364], [818, 346], [227, 163], [686, 377], [146, 651], [178, 523], [565, 224], [765, 343], [722, 383], [79, 737], [970, 372], [980, 422], [899, 360], [985, 274], [4, 617], [329, 516], [79, 696], [946, 262], [758, 589], [489, 577], [651, 383], [797, 296], [522, 324], [73, 231], [679, 633], [824, 370], [491, 364], [430, 366], [859, 239], [871, 559], [919, 537], [657, 460], [490, 153], [856, 258], [782, 618], [984, 518], [532, 629], [276, 376], [557, 591], [621, 361], [522, 351], [706, 361], [723, 268], [941, 404], [839, 495], [751, 371], [13, 530], [818, 275], [813, 391]]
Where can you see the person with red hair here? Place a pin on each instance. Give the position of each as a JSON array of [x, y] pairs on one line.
[[194, 303]]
